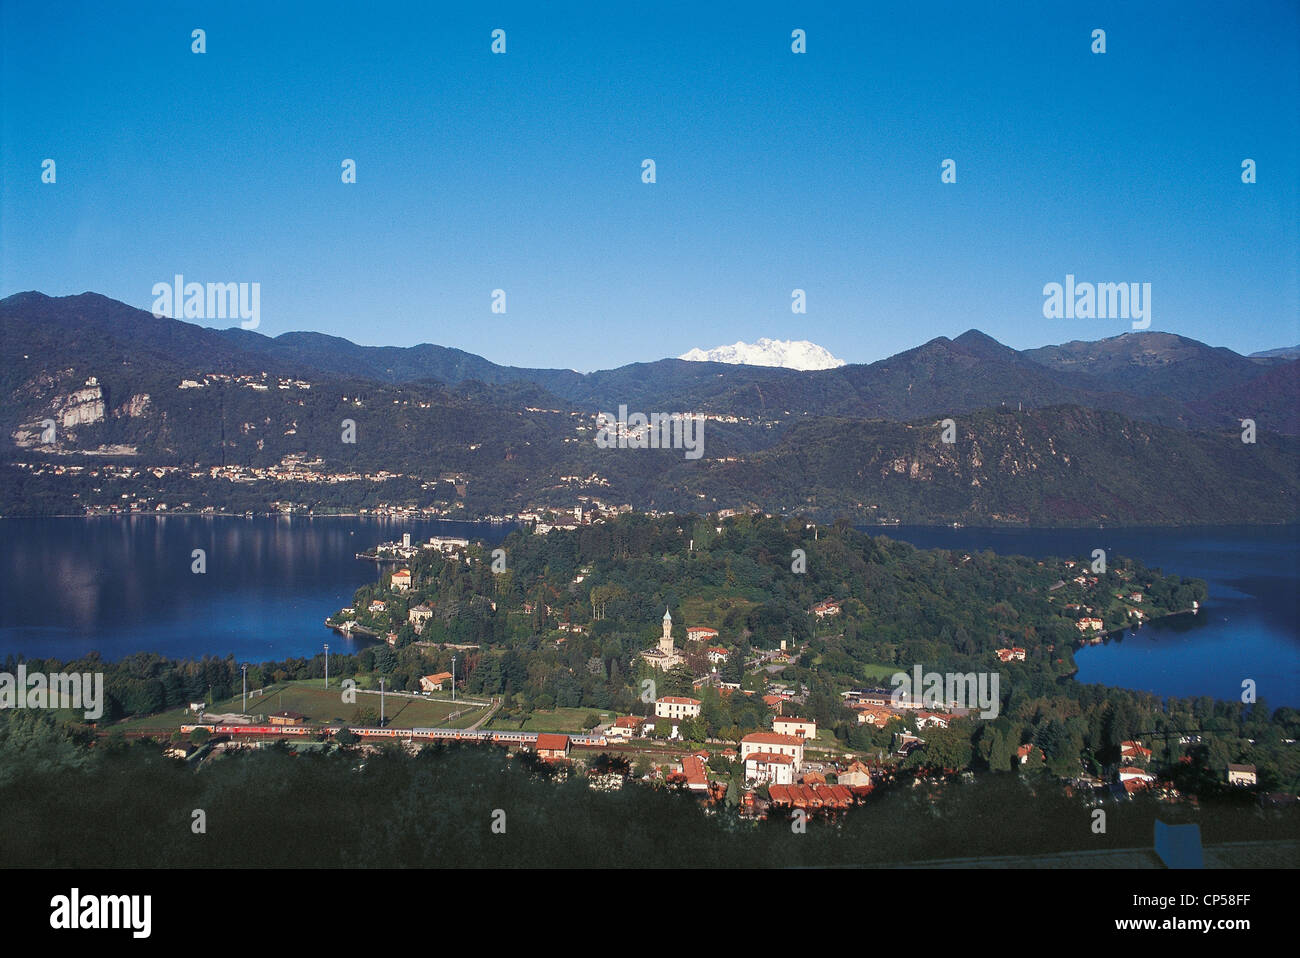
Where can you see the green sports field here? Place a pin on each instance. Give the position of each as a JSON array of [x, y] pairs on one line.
[[324, 706]]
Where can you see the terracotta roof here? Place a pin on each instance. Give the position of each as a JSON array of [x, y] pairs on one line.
[[771, 738], [811, 796], [693, 767], [552, 741], [769, 758]]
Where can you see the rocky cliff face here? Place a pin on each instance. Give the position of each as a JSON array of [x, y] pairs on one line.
[[134, 407], [66, 411], [81, 407]]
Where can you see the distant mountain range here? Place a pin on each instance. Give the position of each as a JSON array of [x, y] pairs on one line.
[[1109, 431], [1286, 352], [787, 354]]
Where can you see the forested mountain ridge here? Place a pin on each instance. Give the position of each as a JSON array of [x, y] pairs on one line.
[[103, 402]]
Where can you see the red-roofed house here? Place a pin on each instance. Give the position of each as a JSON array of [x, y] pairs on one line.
[[823, 609], [626, 727], [1134, 752], [875, 715], [697, 780], [435, 682], [1026, 750], [811, 796], [402, 580], [772, 742], [1128, 772], [855, 776], [552, 746], [700, 632], [718, 655]]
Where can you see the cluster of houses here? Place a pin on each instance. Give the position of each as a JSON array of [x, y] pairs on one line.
[[770, 758], [670, 712], [1132, 776], [877, 707], [776, 759], [826, 608]]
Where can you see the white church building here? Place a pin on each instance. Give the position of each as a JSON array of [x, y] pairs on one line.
[[664, 655]]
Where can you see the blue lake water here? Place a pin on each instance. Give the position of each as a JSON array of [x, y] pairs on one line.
[[1249, 628], [122, 585]]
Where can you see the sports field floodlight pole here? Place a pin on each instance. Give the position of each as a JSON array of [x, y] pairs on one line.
[[453, 678], [381, 703], [327, 665], [244, 668]]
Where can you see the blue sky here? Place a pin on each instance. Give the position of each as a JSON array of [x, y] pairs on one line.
[[522, 171]]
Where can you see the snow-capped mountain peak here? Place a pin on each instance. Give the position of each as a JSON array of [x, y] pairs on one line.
[[788, 354]]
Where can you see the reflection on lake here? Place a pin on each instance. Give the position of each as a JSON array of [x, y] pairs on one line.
[[122, 585]]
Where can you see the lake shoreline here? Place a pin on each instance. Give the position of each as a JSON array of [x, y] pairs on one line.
[[877, 528], [1101, 638], [128, 587]]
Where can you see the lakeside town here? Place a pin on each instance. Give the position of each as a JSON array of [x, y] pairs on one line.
[[706, 708]]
